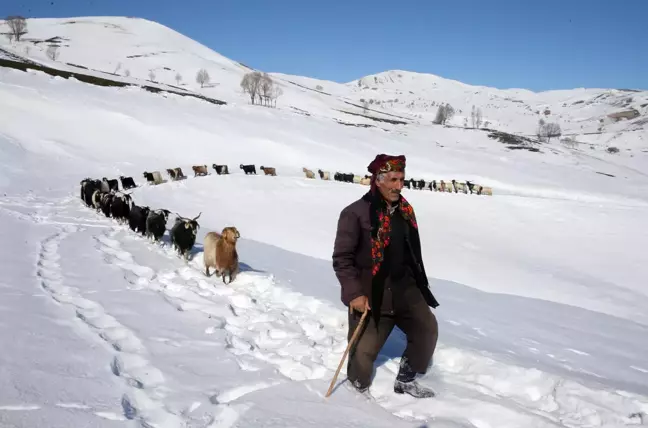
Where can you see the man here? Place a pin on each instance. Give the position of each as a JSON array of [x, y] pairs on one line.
[[377, 259]]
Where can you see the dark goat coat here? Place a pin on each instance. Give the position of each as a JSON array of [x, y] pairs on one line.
[[120, 207], [106, 204], [248, 169], [127, 182], [137, 218], [113, 184], [156, 223], [88, 187], [221, 169], [183, 235]]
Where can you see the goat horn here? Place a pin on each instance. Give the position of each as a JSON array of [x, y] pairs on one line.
[[196, 218]]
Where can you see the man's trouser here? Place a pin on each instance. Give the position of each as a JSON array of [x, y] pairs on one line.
[[404, 307]]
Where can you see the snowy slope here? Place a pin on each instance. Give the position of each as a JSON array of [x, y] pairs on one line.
[[578, 111], [542, 286]]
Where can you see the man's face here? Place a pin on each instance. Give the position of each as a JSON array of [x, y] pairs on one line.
[[392, 184]]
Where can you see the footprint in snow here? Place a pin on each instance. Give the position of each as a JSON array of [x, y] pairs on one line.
[[576, 351], [19, 407], [230, 395]]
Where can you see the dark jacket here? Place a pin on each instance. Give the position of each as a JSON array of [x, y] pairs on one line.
[[352, 255]]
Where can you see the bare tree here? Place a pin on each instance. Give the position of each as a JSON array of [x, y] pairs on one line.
[[440, 115], [118, 68], [365, 106], [444, 113], [552, 130], [276, 93], [251, 83], [547, 131], [151, 76], [178, 78], [266, 87], [478, 117], [52, 52], [202, 77], [540, 132], [127, 73], [17, 27], [27, 50], [319, 87], [449, 113]]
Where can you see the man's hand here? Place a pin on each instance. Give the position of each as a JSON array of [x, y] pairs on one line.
[[360, 304]]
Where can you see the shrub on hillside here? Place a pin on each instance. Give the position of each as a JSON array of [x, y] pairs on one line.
[[547, 131], [202, 77], [52, 52], [445, 112]]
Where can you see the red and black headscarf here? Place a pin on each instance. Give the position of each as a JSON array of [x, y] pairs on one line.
[[385, 163]]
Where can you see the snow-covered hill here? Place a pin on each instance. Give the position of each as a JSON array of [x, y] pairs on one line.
[[542, 285]]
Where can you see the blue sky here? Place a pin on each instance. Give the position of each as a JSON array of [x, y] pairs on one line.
[[538, 45]]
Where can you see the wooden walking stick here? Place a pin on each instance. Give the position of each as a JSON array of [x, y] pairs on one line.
[[356, 333]]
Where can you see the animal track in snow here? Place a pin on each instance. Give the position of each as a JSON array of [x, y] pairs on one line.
[[236, 393], [129, 363]]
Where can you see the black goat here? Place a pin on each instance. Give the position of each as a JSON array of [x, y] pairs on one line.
[[137, 218], [156, 223], [407, 184], [421, 184], [127, 182], [221, 169], [348, 178], [149, 177], [433, 185], [88, 187], [183, 235], [106, 203], [248, 169], [120, 207]]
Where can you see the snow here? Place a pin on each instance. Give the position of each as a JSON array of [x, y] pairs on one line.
[[542, 285]]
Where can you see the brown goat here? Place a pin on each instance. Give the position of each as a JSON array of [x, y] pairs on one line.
[[200, 170], [268, 170], [220, 253], [309, 173]]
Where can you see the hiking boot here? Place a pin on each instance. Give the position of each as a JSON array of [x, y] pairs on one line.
[[406, 382]]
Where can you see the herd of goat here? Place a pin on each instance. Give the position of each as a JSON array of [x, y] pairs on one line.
[[175, 174], [219, 250]]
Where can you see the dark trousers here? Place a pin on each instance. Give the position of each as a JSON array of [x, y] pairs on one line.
[[403, 307]]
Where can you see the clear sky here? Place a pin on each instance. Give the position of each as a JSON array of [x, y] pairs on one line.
[[538, 45]]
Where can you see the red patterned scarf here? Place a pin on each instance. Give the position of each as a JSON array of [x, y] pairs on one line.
[[380, 241]]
